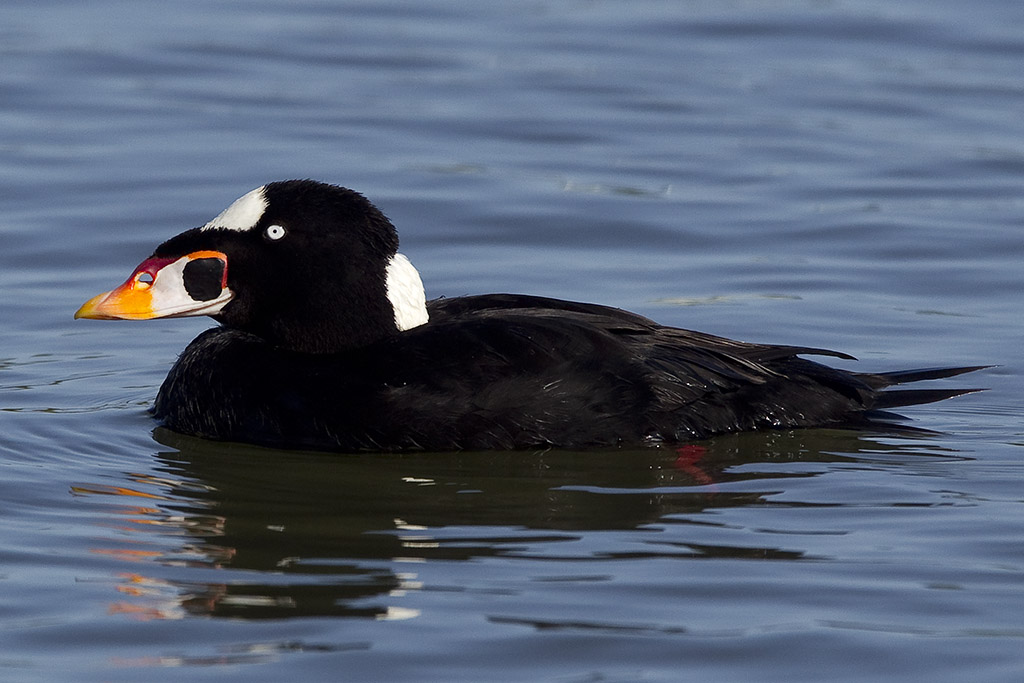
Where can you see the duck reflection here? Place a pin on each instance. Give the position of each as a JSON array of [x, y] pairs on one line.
[[239, 531]]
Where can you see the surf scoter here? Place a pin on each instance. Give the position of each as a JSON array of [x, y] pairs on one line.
[[326, 341]]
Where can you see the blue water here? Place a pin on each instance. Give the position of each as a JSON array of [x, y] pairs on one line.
[[837, 174]]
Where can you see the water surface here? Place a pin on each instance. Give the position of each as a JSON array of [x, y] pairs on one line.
[[836, 174]]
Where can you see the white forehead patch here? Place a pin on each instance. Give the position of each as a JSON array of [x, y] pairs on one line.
[[243, 214]]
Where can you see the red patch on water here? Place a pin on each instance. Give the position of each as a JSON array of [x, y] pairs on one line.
[[687, 458]]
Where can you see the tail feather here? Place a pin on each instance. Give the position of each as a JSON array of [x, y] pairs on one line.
[[913, 397], [881, 380]]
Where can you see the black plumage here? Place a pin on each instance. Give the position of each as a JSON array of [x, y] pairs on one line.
[[507, 371], [310, 355]]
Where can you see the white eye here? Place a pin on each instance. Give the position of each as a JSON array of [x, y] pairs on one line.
[[274, 232]]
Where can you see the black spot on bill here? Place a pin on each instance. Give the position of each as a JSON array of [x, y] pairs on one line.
[[203, 277]]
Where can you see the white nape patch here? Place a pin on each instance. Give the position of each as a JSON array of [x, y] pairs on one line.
[[405, 292], [243, 214]]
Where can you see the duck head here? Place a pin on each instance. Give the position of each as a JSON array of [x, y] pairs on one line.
[[305, 265]]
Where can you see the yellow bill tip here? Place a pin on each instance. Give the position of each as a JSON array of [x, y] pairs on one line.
[[127, 302], [91, 308]]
